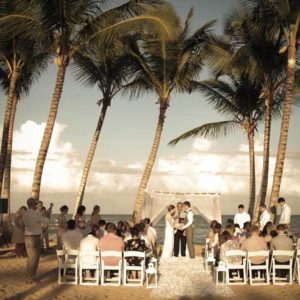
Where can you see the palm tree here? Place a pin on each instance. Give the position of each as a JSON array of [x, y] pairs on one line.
[[259, 55], [163, 66], [106, 66], [238, 99], [286, 15], [34, 63]]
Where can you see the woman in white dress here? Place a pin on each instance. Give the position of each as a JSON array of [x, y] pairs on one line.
[[169, 233]]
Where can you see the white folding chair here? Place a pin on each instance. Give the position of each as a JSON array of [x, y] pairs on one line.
[[127, 269], [209, 257], [286, 266], [220, 269], [89, 261], [67, 261], [260, 268], [297, 266], [114, 280], [236, 267]]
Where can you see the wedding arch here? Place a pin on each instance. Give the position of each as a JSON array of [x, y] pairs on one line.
[[205, 204]]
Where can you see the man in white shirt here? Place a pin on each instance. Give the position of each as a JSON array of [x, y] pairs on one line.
[[241, 217], [189, 228], [264, 217], [72, 237], [285, 217], [88, 244], [33, 229]]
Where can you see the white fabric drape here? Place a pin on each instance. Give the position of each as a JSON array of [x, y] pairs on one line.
[[205, 204]]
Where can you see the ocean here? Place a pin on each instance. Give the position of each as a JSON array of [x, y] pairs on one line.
[[200, 233]]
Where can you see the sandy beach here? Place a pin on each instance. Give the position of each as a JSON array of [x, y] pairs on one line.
[[12, 285]]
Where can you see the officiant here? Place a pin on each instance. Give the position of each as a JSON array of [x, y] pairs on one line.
[[179, 236]]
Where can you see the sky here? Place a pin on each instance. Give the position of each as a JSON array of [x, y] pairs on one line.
[[126, 138]]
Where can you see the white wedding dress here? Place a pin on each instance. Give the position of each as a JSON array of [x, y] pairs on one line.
[[169, 238]]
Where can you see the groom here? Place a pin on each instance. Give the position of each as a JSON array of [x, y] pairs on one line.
[[179, 236], [189, 228]]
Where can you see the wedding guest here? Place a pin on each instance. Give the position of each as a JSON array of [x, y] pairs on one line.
[[237, 231], [285, 216], [230, 228], [95, 218], [101, 232], [62, 225], [33, 229], [88, 244], [241, 217], [143, 231], [135, 244], [18, 232], [39, 207], [281, 242], [227, 243], [268, 232], [111, 242], [255, 243], [246, 232], [211, 233], [264, 217], [152, 235], [150, 227], [126, 230], [71, 238], [230, 222], [44, 226], [214, 244], [46, 231], [120, 229], [80, 218]]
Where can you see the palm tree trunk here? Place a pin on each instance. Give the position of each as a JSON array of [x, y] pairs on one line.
[[90, 157], [252, 171], [287, 108], [7, 171], [266, 157], [41, 159], [5, 133], [150, 163]]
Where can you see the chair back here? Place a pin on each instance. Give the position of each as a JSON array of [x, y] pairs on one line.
[[258, 254], [134, 254], [229, 253], [289, 253], [111, 254], [89, 258]]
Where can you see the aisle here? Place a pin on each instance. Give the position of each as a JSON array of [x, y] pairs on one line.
[[185, 277]]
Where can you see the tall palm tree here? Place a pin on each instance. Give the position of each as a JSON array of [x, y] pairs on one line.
[[238, 100], [105, 66], [258, 54], [34, 63], [72, 24], [287, 19], [162, 67]]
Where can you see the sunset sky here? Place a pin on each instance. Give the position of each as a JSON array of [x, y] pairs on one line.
[[126, 138]]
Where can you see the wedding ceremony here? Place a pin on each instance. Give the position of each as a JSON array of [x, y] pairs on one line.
[[149, 149]]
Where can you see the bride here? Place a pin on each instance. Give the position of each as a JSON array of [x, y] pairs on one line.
[[169, 233]]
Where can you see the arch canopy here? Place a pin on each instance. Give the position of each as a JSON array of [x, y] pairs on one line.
[[205, 204]]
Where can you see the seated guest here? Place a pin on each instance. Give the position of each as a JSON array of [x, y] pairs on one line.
[[245, 233], [120, 229], [268, 232], [135, 244], [88, 244], [111, 242], [71, 238], [255, 243], [126, 231], [230, 222], [230, 228], [281, 242], [101, 231], [229, 244], [264, 217], [237, 231]]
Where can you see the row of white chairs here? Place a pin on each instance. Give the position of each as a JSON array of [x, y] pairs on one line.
[[74, 261], [269, 270]]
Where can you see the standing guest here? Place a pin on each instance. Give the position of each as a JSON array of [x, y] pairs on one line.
[[264, 217], [44, 226], [147, 221], [80, 219], [101, 232], [62, 225], [241, 217], [39, 207], [255, 243], [95, 218], [214, 243], [211, 234], [179, 237], [33, 229], [111, 242], [285, 217], [72, 237], [18, 232], [46, 232], [152, 234]]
